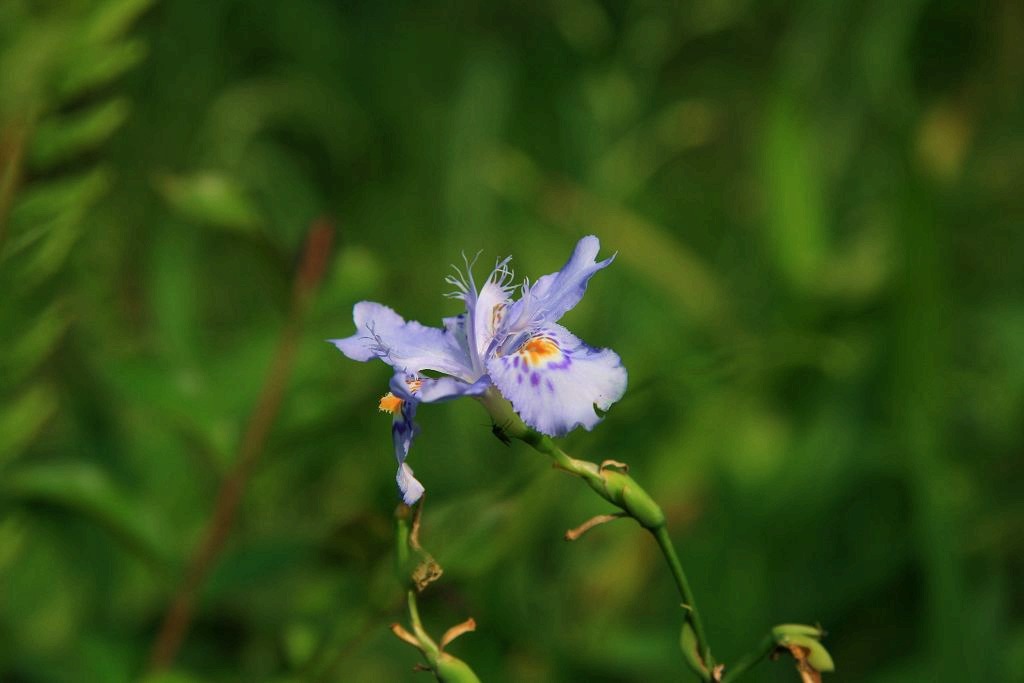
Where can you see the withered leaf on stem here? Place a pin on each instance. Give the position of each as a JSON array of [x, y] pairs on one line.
[[808, 674]]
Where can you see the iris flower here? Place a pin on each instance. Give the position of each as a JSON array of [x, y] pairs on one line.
[[553, 380]]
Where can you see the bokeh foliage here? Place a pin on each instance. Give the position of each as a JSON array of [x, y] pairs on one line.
[[818, 295]]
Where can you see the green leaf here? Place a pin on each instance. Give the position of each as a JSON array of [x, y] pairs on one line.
[[211, 198], [45, 207], [59, 139], [112, 18], [23, 417], [33, 341], [817, 655], [84, 488], [92, 67]]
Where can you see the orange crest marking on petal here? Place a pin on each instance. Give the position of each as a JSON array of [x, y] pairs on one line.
[[414, 385], [540, 350], [389, 403]]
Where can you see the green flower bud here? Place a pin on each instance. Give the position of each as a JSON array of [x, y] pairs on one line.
[[817, 656], [621, 490], [452, 670], [783, 630], [688, 644]]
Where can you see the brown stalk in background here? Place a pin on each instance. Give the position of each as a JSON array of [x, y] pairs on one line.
[[179, 615]]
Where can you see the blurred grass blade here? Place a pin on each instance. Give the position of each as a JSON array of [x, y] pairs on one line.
[[85, 489], [32, 344], [792, 176], [60, 139], [112, 18], [93, 67], [23, 417], [211, 198], [45, 207]]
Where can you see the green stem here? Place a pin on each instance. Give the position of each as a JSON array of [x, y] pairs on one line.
[[417, 627], [747, 662], [618, 489], [689, 604]]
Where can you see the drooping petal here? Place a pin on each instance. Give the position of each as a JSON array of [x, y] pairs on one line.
[[402, 403], [407, 392], [409, 485], [406, 346], [403, 427], [551, 296], [554, 380]]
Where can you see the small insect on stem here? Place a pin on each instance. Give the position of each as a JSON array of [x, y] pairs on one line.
[[499, 432]]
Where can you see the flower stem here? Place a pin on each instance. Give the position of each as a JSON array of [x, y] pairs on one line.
[[621, 490], [428, 644], [689, 604]]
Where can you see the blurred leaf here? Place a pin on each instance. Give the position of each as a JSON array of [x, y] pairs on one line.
[[85, 489], [27, 65], [94, 66], [47, 208], [23, 417], [793, 172], [35, 339], [211, 198], [59, 139], [300, 641], [111, 18]]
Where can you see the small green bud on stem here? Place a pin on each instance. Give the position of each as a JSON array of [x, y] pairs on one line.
[[620, 489]]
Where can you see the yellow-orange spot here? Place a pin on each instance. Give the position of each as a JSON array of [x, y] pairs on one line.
[[414, 385], [389, 403], [538, 350]]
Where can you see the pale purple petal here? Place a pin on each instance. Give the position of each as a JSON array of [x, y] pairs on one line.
[[410, 487], [491, 305], [456, 326], [413, 390], [406, 346], [551, 296], [447, 388], [404, 428], [554, 380]]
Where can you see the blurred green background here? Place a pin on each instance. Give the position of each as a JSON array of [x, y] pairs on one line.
[[817, 209]]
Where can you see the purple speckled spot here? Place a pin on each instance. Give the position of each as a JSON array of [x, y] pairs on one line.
[[519, 379], [561, 365], [551, 387], [534, 379], [515, 362]]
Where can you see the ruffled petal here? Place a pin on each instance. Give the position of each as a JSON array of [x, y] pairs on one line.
[[406, 346], [554, 380], [551, 296]]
